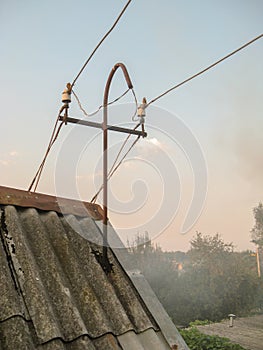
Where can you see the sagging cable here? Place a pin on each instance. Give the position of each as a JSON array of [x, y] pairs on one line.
[[100, 107]]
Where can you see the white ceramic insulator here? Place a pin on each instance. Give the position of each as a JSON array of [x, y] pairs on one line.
[[66, 96], [141, 110]]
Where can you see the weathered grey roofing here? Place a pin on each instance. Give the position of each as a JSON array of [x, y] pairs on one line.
[[55, 295]]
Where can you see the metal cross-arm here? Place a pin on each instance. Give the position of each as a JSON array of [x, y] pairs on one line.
[[100, 126]]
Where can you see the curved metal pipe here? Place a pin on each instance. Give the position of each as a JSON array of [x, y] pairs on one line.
[[105, 156]]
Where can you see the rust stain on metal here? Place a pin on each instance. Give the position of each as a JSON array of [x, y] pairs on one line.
[[47, 203]]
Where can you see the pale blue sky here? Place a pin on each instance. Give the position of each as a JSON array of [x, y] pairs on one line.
[[44, 44]]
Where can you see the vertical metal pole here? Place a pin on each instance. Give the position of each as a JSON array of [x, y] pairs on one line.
[[105, 180], [105, 157]]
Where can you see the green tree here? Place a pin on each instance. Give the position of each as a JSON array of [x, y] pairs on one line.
[[223, 281], [216, 281], [213, 280]]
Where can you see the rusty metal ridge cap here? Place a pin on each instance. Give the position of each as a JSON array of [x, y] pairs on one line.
[[22, 198]]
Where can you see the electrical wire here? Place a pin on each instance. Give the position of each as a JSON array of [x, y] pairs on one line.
[[117, 99], [101, 41], [53, 138], [204, 70], [100, 107], [114, 168], [136, 106], [41, 167], [121, 149], [125, 155]]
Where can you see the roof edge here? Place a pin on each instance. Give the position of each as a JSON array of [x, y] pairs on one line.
[[26, 199]]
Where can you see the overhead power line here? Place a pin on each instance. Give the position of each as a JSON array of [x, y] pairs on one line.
[[205, 69], [101, 41]]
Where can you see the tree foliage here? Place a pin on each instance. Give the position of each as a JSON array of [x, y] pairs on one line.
[[210, 281]]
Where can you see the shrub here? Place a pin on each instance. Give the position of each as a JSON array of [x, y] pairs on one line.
[[199, 341]]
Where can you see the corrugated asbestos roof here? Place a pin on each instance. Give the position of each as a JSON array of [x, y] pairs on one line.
[[54, 293]]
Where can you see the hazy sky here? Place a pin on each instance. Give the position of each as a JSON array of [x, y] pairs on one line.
[[43, 46]]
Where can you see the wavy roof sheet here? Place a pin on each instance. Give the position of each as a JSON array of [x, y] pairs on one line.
[[55, 294]]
